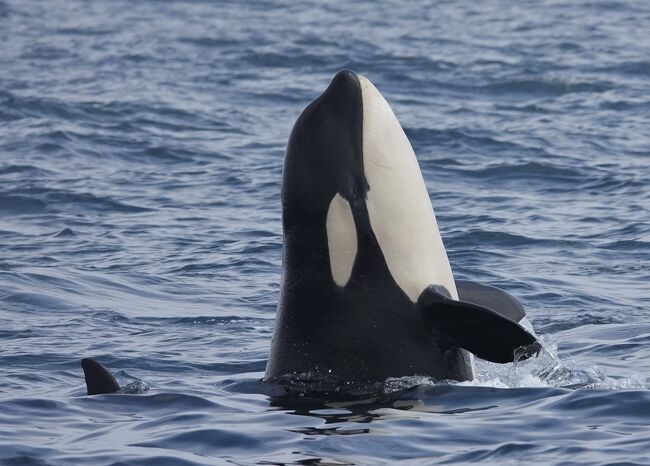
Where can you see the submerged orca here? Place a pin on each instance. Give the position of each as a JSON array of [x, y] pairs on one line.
[[367, 289]]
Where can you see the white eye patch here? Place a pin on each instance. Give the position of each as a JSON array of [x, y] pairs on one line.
[[341, 239]]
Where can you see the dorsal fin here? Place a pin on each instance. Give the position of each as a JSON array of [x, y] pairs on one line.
[[98, 379]]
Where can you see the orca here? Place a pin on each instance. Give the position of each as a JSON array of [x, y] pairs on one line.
[[367, 291]]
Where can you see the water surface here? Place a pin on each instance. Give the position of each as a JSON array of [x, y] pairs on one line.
[[141, 148]]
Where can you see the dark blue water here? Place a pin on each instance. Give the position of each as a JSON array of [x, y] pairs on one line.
[[141, 147]]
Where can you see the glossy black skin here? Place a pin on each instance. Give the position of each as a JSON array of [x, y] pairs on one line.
[[99, 380], [368, 330]]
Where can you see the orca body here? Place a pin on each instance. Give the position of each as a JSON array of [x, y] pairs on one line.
[[367, 289]]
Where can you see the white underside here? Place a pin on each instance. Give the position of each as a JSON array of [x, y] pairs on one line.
[[398, 203], [401, 214]]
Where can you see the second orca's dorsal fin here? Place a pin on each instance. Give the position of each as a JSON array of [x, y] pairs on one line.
[[98, 379], [478, 329]]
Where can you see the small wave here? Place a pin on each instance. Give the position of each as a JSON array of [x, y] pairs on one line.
[[288, 59], [456, 138], [634, 68], [47, 52], [227, 368], [630, 404], [8, 116], [159, 403], [206, 441], [209, 41], [625, 105], [551, 325], [627, 245], [41, 199], [35, 300], [529, 87], [524, 108], [484, 237], [79, 31], [613, 183], [545, 87], [16, 334], [23, 169], [572, 46], [169, 154], [39, 106], [530, 170], [20, 204], [207, 320]]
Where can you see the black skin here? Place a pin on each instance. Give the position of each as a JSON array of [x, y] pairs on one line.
[[99, 380], [368, 330]]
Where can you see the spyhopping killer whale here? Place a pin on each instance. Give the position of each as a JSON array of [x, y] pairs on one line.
[[367, 290]]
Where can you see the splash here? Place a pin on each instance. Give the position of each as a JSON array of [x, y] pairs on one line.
[[545, 370], [135, 388]]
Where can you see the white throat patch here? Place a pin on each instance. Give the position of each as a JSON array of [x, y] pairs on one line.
[[341, 239], [398, 203]]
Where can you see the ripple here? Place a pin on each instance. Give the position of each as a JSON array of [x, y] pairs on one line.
[[546, 87], [35, 300], [42, 199], [23, 169], [628, 245], [604, 404], [635, 68], [20, 204], [205, 442], [484, 237], [530, 170]]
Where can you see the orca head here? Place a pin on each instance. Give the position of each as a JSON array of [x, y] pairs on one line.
[[325, 154], [351, 176]]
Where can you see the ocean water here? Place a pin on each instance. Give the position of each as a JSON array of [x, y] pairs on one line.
[[141, 148]]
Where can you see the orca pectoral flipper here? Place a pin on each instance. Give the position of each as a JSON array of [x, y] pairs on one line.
[[98, 379], [484, 332], [491, 297]]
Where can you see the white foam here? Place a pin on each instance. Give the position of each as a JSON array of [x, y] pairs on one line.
[[545, 370]]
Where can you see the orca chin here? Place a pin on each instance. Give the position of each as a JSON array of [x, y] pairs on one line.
[[367, 289]]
